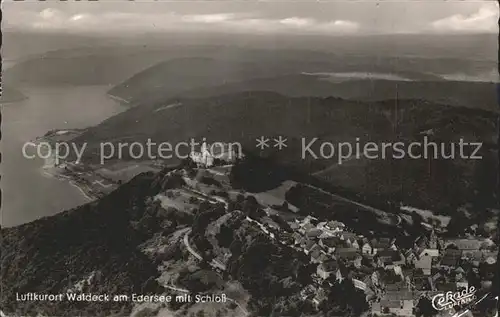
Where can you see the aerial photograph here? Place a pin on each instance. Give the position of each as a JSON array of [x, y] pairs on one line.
[[250, 158]]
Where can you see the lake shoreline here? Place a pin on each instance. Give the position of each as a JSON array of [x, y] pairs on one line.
[[46, 171]]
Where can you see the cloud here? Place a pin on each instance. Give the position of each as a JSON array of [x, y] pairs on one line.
[[208, 18], [311, 25], [79, 17], [49, 13], [484, 20], [341, 25], [325, 17], [296, 22], [50, 18]]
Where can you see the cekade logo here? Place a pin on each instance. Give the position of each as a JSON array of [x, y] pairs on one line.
[[450, 299]]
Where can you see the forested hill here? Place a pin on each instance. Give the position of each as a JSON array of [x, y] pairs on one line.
[[371, 78], [52, 254], [245, 116]]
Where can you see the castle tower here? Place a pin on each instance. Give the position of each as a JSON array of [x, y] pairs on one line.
[[433, 240]]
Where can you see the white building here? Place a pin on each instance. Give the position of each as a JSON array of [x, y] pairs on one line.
[[204, 157], [208, 153]]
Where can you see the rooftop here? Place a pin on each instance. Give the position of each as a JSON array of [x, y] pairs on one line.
[[333, 242], [330, 266], [347, 253], [466, 244]]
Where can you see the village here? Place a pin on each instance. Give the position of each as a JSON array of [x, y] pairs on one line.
[[394, 279]]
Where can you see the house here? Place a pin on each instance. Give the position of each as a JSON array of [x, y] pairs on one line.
[[354, 244], [331, 227], [325, 234], [395, 287], [297, 238], [422, 242], [459, 273], [286, 238], [462, 284], [451, 258], [306, 227], [376, 309], [308, 292], [349, 255], [386, 243], [331, 243], [424, 263], [387, 258], [309, 219], [270, 224], [308, 245], [293, 225], [488, 271], [318, 256], [315, 256], [397, 304], [467, 246], [351, 239], [376, 245], [490, 257], [476, 258], [398, 270], [422, 283], [327, 268], [359, 284], [429, 252], [334, 226], [314, 248], [400, 303], [320, 297], [313, 233], [438, 277], [375, 278], [410, 257], [367, 248]]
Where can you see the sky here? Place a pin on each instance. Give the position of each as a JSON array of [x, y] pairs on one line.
[[327, 17]]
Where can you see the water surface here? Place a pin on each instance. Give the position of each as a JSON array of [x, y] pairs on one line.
[[28, 194]]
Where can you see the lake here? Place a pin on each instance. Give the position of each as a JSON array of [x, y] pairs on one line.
[[26, 193]]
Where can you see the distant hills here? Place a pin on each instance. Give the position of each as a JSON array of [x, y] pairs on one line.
[[150, 59], [284, 73], [81, 67], [454, 93]]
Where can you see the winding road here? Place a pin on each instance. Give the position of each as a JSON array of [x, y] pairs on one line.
[[214, 263]]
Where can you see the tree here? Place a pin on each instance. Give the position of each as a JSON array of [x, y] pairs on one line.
[[193, 200], [200, 313], [250, 205], [424, 308], [225, 236]]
